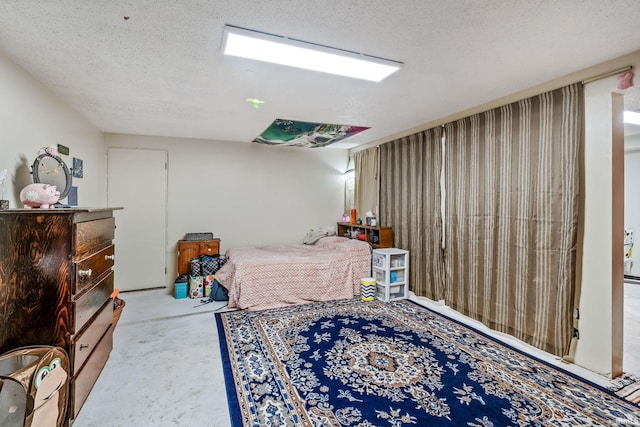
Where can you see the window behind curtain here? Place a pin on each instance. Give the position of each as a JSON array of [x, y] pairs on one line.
[[511, 178], [410, 202]]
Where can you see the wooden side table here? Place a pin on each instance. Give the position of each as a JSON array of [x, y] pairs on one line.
[[190, 249]]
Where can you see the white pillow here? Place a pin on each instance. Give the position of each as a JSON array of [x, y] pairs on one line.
[[313, 236]]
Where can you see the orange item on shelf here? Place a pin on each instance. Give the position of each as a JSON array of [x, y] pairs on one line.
[[353, 216]]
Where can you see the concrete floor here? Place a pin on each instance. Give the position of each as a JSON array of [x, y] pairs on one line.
[[165, 367]]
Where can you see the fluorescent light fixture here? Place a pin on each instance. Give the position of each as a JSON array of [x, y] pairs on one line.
[[632, 118], [295, 53]]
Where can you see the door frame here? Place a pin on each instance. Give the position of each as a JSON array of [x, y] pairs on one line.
[[166, 197]]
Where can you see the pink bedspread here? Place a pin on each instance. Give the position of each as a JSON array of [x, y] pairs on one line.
[[273, 276]]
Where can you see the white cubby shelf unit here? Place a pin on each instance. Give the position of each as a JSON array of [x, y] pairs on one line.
[[391, 270]]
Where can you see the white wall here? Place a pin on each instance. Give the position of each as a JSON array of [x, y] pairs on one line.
[[600, 346], [245, 193], [594, 348], [31, 117], [632, 143]]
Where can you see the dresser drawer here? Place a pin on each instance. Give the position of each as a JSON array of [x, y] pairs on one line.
[[210, 247], [83, 381], [90, 302], [86, 342], [92, 268], [92, 236]]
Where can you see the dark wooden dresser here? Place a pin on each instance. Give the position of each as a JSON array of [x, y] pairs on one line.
[[56, 279]]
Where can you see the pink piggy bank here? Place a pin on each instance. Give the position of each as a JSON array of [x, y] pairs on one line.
[[39, 195]]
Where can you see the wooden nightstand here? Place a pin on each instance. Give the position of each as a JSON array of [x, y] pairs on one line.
[[190, 249]]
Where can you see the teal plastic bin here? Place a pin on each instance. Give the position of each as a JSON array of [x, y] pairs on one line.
[[181, 289]]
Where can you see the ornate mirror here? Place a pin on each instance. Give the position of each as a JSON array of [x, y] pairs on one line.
[[49, 168]]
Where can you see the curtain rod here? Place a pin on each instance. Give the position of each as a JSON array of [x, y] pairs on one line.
[[607, 74]]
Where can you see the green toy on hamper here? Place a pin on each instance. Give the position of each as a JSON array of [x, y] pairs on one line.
[[34, 387]]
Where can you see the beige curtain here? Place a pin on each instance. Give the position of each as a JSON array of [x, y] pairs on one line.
[[410, 202], [365, 193], [511, 179]]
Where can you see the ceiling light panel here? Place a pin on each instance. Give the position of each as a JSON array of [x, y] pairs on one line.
[[294, 53]]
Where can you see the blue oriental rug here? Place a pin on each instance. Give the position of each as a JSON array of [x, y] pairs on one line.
[[351, 363]]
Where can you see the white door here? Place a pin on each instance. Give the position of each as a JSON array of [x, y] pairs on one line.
[[137, 181]]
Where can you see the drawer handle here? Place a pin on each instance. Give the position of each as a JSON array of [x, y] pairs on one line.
[[111, 257], [84, 273], [83, 346]]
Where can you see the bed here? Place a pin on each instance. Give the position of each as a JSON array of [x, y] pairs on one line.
[[274, 276]]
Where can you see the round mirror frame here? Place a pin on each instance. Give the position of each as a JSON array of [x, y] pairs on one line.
[[67, 174]]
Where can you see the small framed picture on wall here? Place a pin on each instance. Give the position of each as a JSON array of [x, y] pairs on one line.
[[77, 168]]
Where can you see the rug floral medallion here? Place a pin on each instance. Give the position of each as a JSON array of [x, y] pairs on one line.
[[352, 363]]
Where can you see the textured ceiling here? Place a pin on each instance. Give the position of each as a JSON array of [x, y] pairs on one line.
[[161, 71]]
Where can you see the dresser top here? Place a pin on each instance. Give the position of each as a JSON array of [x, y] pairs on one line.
[[57, 210]]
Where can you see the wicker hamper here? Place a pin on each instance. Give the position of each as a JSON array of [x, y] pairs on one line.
[[118, 306]]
